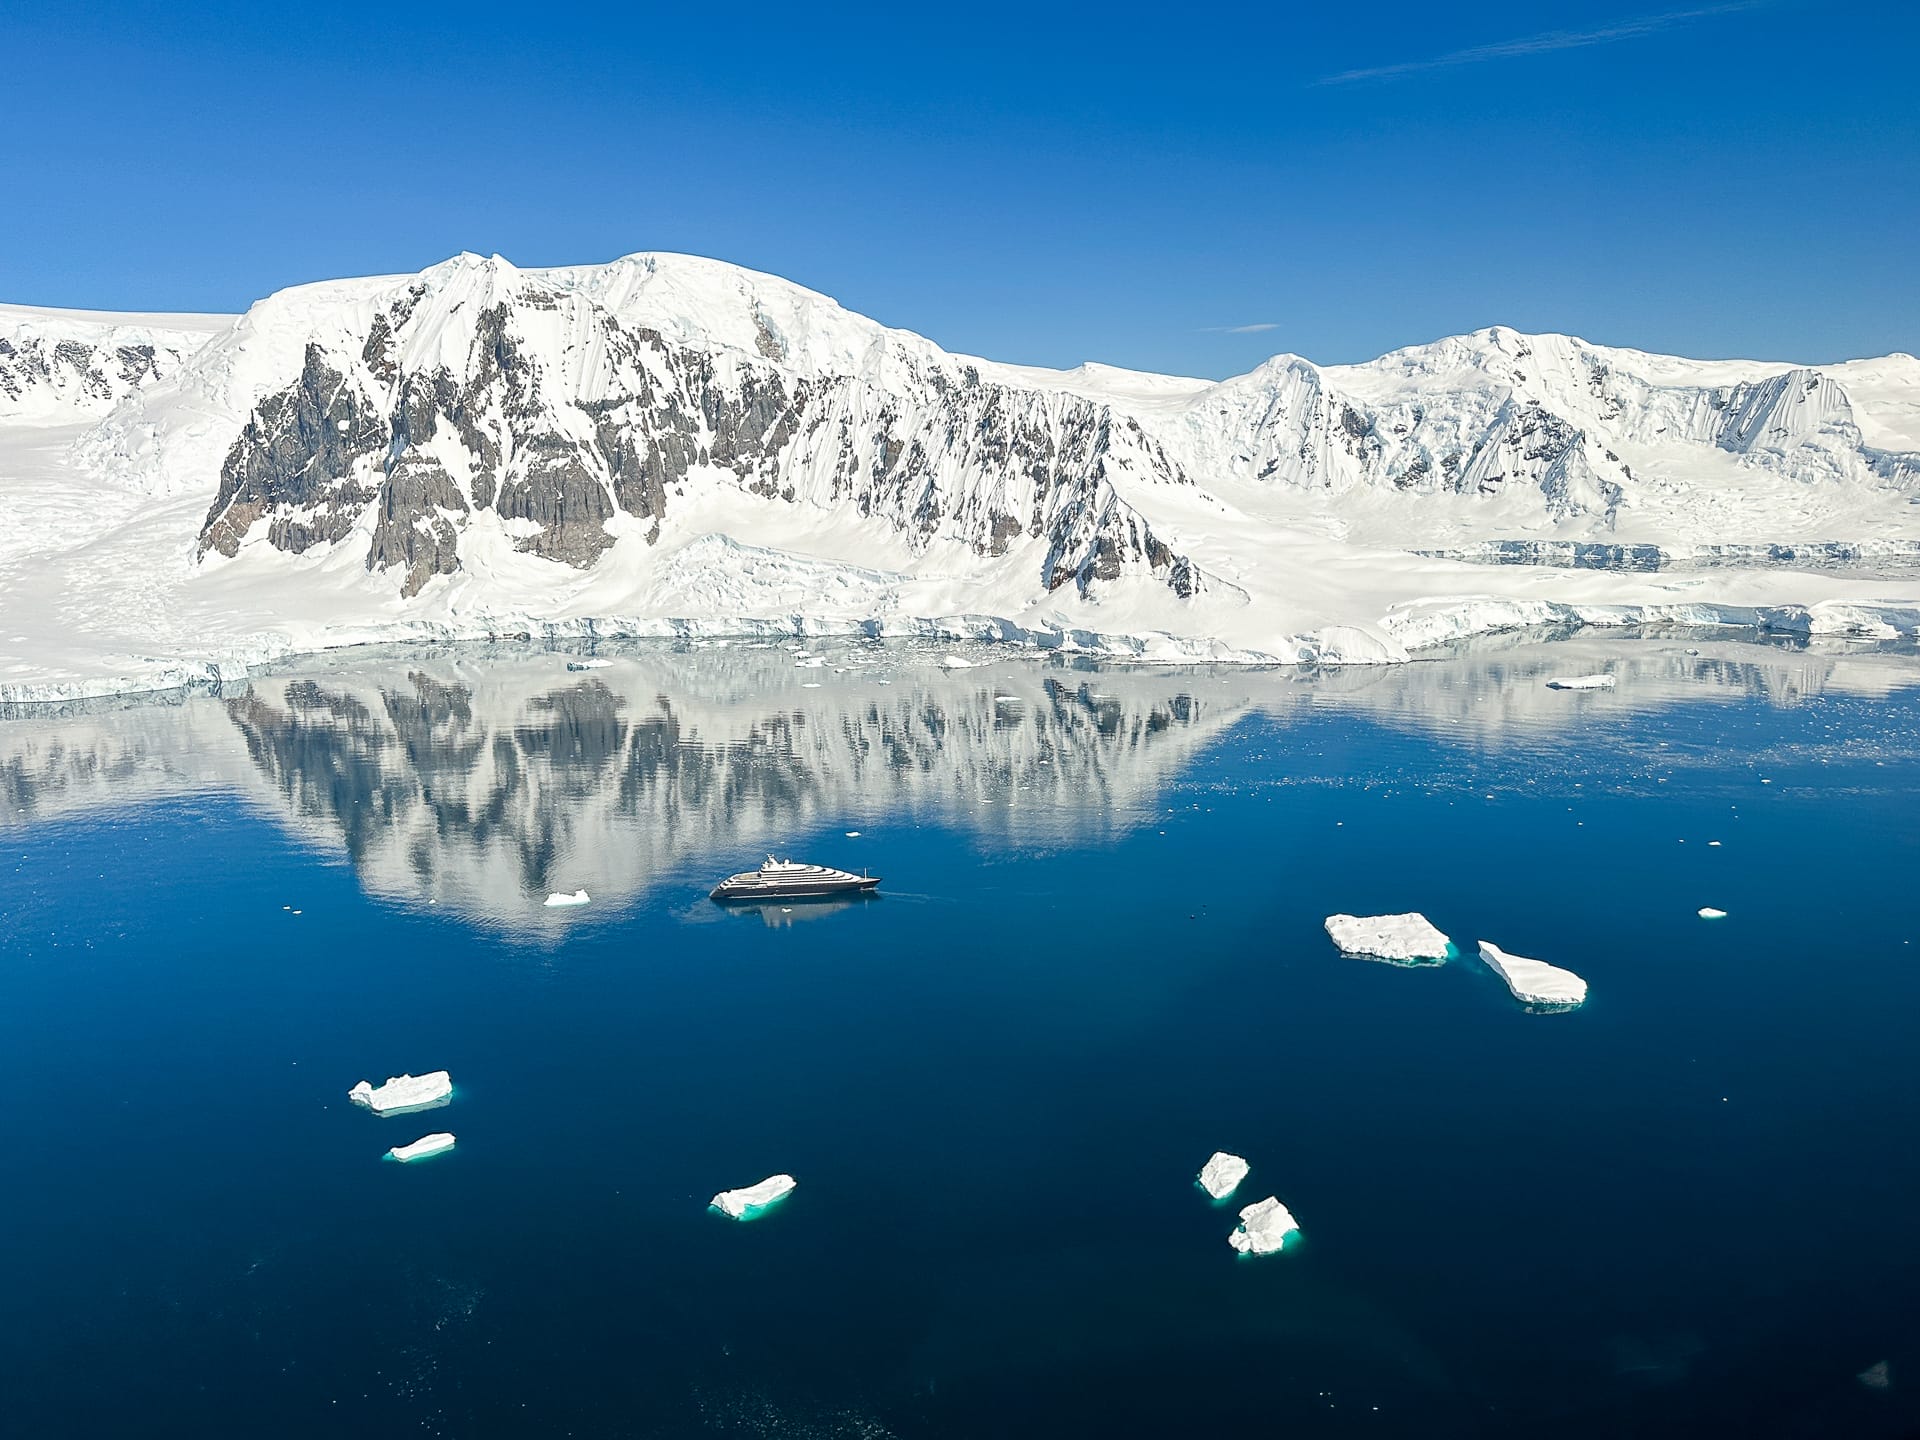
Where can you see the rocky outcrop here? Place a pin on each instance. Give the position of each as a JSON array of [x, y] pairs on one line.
[[63, 366], [496, 396]]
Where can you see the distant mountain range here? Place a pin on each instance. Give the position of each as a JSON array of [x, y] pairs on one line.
[[674, 445]]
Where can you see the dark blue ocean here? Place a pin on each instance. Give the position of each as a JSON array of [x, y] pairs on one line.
[[1686, 1208]]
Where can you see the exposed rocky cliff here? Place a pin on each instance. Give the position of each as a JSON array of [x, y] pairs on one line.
[[485, 391]]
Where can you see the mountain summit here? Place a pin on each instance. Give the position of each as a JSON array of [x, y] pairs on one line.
[[667, 442]]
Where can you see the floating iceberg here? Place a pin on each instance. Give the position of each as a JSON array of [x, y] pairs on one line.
[[578, 897], [738, 1203], [955, 662], [1264, 1227], [1408, 939], [426, 1145], [403, 1092], [1534, 982], [588, 664], [1580, 682], [1221, 1175], [1707, 912]]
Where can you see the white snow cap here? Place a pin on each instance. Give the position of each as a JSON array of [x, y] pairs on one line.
[[1580, 682], [1534, 981], [736, 1203], [403, 1092], [1264, 1227], [578, 897], [1406, 939], [426, 1145], [1221, 1175]]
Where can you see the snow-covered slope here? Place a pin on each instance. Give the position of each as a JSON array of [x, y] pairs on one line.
[[67, 364], [671, 445]]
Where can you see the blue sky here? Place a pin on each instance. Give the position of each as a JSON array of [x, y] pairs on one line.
[[1037, 185]]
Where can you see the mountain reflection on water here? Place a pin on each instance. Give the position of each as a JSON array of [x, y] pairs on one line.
[[481, 779]]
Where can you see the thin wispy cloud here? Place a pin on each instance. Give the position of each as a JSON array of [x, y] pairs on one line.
[[1253, 329], [1544, 43]]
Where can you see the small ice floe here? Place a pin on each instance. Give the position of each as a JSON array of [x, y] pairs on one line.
[[578, 897], [1876, 1377], [1264, 1227], [739, 1204], [1534, 982], [809, 662], [1707, 912], [1580, 682], [426, 1145], [853, 834], [588, 664], [1222, 1175], [1408, 939], [956, 662], [403, 1092]]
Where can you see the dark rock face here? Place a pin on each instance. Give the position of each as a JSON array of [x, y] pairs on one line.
[[92, 374], [556, 448], [296, 461]]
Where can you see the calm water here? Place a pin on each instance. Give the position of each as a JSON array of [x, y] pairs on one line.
[[1685, 1208]]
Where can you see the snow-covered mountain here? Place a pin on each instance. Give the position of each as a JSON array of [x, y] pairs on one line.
[[667, 443], [61, 364]]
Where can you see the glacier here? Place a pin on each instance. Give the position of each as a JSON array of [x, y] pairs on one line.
[[743, 1203], [1222, 1174], [666, 446], [404, 1093]]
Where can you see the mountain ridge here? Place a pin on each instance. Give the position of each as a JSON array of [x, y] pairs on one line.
[[477, 439]]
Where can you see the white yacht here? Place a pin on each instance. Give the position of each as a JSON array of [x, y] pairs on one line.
[[790, 880]]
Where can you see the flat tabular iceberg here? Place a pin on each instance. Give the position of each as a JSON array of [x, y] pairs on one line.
[[956, 662], [736, 1203], [1534, 981], [1404, 939], [1222, 1174], [578, 897], [1709, 913], [426, 1145], [403, 1092], [1264, 1227], [1581, 682], [588, 664]]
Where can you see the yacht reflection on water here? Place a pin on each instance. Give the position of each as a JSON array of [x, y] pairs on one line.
[[783, 915]]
